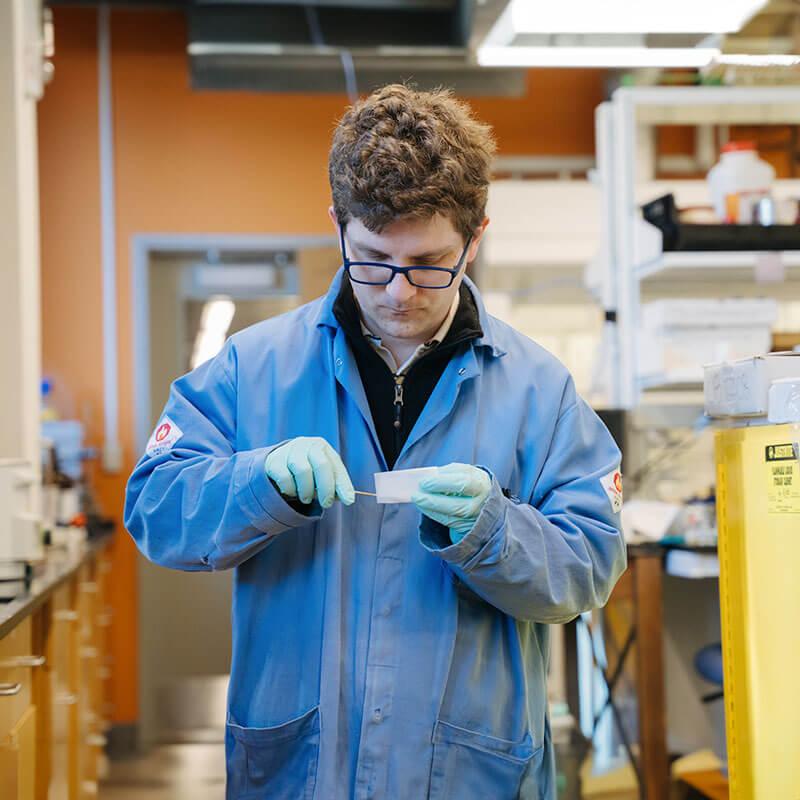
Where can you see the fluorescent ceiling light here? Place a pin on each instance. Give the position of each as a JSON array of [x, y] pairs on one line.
[[236, 278], [215, 320], [763, 60], [629, 57], [630, 16]]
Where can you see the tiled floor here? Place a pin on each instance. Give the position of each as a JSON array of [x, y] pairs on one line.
[[197, 772], [169, 772]]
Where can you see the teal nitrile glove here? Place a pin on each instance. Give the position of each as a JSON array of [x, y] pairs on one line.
[[454, 497], [308, 467]]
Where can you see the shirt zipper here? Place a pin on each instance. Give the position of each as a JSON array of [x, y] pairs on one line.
[[399, 380], [398, 409]]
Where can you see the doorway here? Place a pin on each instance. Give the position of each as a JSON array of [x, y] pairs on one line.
[[190, 293]]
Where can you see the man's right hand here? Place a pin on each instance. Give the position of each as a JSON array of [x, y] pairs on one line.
[[307, 468]]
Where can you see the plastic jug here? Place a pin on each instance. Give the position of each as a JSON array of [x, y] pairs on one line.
[[738, 181]]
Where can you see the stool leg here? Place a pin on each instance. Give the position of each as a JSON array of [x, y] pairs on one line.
[[647, 576]]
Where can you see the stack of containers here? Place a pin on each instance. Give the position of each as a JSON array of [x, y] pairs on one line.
[[680, 336]]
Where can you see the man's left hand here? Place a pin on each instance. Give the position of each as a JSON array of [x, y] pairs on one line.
[[454, 497]]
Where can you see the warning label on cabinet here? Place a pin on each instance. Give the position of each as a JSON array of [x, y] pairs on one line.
[[783, 475]]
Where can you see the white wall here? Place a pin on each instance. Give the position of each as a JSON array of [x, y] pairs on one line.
[[20, 344]]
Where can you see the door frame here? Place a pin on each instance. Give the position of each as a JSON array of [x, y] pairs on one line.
[[143, 246]]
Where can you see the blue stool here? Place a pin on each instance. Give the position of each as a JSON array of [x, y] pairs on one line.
[[708, 663]]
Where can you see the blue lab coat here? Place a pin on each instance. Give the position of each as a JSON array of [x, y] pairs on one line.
[[372, 658]]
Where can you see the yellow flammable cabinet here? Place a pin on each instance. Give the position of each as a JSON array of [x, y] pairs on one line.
[[758, 507]]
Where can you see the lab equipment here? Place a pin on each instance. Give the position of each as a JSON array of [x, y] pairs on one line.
[[690, 229], [48, 410], [696, 523], [647, 520], [738, 181], [66, 437], [691, 564], [764, 211], [19, 525]]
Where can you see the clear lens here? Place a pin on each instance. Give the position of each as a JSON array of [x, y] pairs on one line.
[[425, 278], [429, 278], [366, 273]]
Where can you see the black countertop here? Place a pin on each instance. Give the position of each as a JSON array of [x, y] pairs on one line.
[[59, 565]]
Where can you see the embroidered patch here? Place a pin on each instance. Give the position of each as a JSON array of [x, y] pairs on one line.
[[163, 438], [612, 485]]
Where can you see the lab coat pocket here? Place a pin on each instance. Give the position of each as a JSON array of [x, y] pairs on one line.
[[468, 765], [279, 763]]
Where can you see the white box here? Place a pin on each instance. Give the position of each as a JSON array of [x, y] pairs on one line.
[[709, 313], [680, 336], [681, 353], [741, 388]]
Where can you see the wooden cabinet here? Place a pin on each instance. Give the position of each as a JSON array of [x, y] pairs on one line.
[[64, 699], [17, 713], [18, 759], [54, 668], [90, 661]]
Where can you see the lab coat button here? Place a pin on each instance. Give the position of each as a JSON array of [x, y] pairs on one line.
[[462, 370], [377, 715], [339, 362]]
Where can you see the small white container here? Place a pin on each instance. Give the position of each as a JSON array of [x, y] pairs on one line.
[[738, 181]]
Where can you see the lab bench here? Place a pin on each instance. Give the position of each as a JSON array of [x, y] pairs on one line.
[[54, 671]]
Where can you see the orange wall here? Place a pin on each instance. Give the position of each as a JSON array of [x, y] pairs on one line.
[[222, 162]]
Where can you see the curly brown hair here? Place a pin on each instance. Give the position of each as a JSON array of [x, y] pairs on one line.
[[403, 153]]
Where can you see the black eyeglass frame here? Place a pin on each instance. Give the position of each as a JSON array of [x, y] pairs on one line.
[[406, 271]]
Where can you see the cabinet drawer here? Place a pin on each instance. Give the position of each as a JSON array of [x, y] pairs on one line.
[[63, 637], [16, 644], [18, 759]]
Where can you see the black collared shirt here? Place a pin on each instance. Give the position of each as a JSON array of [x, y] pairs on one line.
[[394, 420]]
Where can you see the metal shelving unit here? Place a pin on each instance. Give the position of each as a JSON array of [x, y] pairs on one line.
[[631, 248]]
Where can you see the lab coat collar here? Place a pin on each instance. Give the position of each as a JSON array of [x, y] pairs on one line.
[[490, 340]]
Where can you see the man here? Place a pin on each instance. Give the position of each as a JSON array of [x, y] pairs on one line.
[[389, 651]]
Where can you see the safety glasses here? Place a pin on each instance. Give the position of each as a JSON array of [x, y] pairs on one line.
[[376, 273]]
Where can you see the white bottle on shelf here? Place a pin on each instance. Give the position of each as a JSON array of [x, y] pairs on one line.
[[738, 181]]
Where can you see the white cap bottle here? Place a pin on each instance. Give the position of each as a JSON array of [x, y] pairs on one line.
[[738, 181]]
